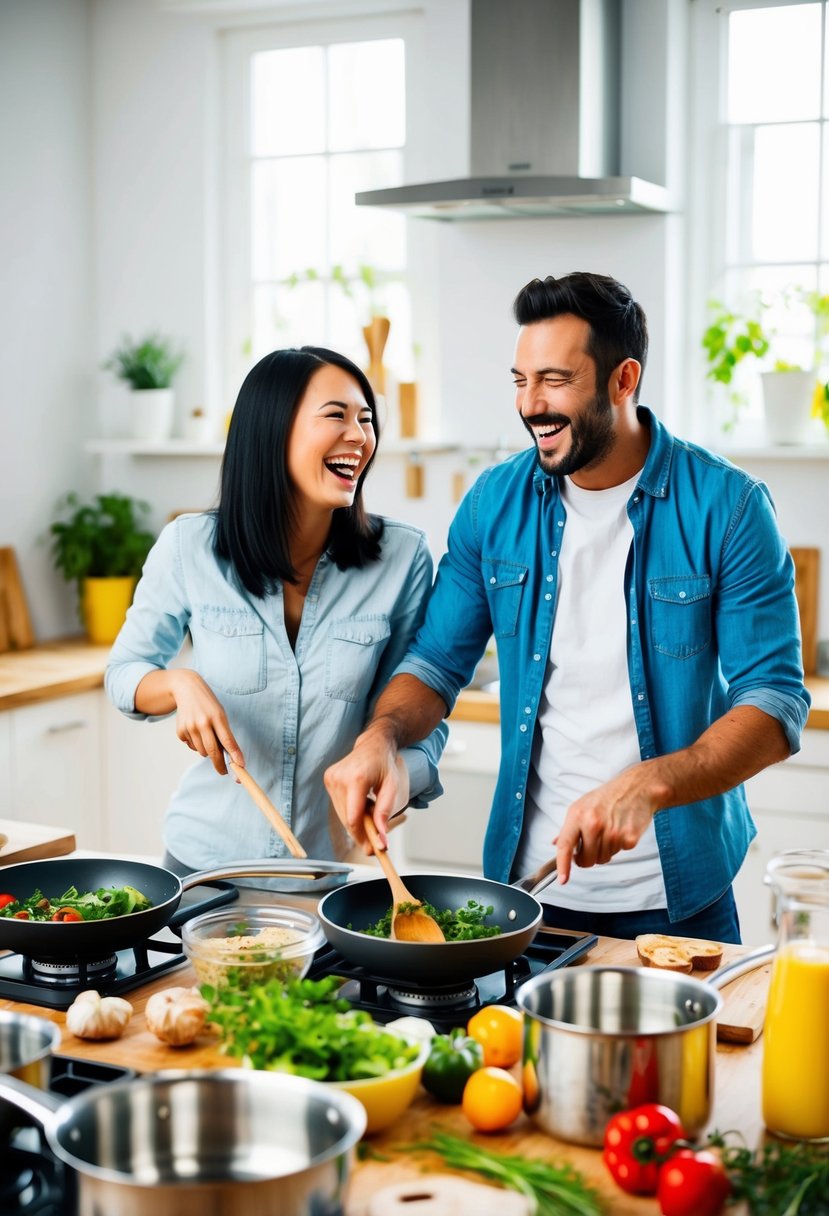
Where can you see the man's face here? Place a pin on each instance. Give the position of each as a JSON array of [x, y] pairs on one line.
[[568, 415]]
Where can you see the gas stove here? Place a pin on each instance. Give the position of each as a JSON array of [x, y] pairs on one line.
[[54, 983], [448, 1006]]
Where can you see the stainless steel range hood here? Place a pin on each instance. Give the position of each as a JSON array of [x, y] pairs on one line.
[[544, 119]]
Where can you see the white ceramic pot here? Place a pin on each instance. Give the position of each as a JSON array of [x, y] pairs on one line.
[[787, 402], [152, 414]]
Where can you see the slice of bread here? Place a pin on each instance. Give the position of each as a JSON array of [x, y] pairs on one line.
[[678, 953]]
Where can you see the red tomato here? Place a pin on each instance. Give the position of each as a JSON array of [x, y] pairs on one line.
[[21, 915], [692, 1184], [67, 914], [636, 1142], [5, 900]]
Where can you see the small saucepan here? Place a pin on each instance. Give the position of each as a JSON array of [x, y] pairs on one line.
[[601, 1039], [26, 1046], [202, 1143]]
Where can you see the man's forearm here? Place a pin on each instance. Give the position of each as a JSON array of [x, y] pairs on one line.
[[735, 747], [407, 711]]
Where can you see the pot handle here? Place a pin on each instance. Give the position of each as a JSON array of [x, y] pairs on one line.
[[537, 881], [749, 962], [37, 1104], [281, 867]]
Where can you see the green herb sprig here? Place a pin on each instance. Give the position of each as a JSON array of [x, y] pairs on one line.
[[465, 924], [780, 1179], [302, 1027], [553, 1190]]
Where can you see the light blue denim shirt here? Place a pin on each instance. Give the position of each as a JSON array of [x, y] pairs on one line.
[[293, 712], [712, 624]]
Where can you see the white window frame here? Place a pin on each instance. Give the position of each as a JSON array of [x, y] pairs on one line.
[[707, 179], [238, 47]]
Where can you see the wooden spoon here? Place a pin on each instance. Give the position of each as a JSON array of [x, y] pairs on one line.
[[267, 808], [410, 924]]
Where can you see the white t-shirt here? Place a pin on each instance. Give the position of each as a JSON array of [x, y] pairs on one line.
[[585, 733]]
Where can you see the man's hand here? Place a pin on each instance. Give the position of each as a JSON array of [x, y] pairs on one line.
[[201, 721], [371, 778], [608, 819]]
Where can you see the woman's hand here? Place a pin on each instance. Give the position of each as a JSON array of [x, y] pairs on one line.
[[201, 721]]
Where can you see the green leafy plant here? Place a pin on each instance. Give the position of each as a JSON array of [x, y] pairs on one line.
[[101, 539], [366, 274], [150, 363]]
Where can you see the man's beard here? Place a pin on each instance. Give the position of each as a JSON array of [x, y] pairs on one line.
[[591, 437]]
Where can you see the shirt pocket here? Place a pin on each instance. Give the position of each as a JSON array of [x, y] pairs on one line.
[[504, 582], [681, 614], [355, 646], [231, 656]]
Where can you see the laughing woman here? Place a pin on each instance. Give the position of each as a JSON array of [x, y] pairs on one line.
[[299, 605]]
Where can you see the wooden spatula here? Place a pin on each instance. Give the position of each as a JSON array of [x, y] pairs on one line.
[[267, 808], [408, 923]]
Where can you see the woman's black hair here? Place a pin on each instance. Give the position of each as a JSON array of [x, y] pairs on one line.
[[618, 327], [256, 504]]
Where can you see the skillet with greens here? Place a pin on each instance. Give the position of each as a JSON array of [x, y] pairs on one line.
[[103, 904]]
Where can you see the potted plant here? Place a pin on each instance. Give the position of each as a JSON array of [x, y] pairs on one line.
[[101, 546], [791, 392], [148, 367]]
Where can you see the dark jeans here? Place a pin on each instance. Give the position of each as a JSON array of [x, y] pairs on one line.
[[718, 922]]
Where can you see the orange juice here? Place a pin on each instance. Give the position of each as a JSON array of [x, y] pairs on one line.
[[796, 1043]]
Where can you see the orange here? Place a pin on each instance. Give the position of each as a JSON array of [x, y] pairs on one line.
[[499, 1030], [491, 1099]]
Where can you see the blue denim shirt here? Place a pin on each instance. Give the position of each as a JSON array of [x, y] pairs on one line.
[[712, 624], [292, 711]]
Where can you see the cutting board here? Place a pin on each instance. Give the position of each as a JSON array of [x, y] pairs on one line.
[[745, 1006], [33, 841], [806, 573], [15, 624]]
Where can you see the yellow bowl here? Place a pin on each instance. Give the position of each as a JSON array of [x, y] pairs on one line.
[[385, 1098]]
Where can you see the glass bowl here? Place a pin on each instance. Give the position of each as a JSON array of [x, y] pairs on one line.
[[256, 943]]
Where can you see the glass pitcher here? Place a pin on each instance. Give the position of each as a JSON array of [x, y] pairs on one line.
[[796, 1030]]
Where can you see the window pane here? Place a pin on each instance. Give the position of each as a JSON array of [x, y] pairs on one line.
[[285, 316], [366, 95], [774, 63], [365, 234], [289, 216], [288, 101], [785, 193], [824, 253]]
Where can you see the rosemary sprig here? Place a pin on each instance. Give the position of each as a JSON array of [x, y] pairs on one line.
[[779, 1180]]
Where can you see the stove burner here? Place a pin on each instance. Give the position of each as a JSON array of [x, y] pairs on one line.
[[437, 999], [50, 971]]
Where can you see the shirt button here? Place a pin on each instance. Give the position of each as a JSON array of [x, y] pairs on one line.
[[554, 553], [536, 658], [548, 596], [518, 795], [636, 499], [492, 580], [523, 727], [291, 751], [527, 709], [633, 620], [560, 523], [640, 697], [682, 595], [549, 578]]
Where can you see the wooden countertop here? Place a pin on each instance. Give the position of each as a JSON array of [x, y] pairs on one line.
[[736, 1098], [57, 669]]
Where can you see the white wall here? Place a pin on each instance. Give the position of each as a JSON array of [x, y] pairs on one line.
[[46, 301]]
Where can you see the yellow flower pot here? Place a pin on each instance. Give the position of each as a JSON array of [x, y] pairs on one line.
[[105, 603]]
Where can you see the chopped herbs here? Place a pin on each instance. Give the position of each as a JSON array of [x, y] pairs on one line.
[[464, 925], [778, 1180], [303, 1027]]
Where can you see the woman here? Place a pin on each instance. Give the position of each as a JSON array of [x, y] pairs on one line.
[[299, 604]]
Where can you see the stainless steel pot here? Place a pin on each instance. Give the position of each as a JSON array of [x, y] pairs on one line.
[[202, 1143], [26, 1046], [600, 1039]]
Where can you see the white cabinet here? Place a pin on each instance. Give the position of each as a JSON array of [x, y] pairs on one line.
[[5, 767], [54, 766], [449, 834], [144, 762], [790, 805]]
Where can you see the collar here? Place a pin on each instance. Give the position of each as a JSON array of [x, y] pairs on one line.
[[655, 475]]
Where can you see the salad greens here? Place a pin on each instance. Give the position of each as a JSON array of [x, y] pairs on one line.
[[303, 1027], [102, 904], [460, 926]]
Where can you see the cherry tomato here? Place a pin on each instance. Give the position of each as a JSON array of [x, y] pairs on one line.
[[492, 1099], [499, 1030], [67, 914], [692, 1184], [636, 1143], [5, 900]]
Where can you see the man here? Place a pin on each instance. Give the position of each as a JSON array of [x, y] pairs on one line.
[[642, 601]]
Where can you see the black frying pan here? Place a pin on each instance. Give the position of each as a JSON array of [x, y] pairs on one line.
[[349, 909], [94, 939]]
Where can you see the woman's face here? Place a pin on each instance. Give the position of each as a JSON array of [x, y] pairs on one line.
[[330, 442]]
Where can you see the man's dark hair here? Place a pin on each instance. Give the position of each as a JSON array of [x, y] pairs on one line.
[[618, 328], [257, 505]]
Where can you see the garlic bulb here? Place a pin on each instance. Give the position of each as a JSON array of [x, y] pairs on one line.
[[177, 1015], [92, 1016]]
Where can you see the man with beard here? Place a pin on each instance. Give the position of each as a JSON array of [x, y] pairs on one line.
[[642, 601]]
